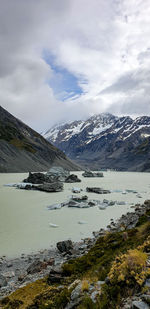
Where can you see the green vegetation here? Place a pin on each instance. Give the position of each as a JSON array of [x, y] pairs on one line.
[[121, 261]]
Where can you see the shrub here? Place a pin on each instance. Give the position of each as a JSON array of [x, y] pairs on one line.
[[129, 268], [85, 285]]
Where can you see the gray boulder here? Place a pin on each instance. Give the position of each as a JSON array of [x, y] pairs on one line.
[[97, 190], [76, 292], [72, 178], [147, 283], [35, 267], [92, 174], [38, 178], [3, 281], [55, 275], [65, 246], [59, 172], [79, 198], [139, 305]]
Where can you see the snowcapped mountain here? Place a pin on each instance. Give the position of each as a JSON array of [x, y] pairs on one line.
[[94, 126], [105, 141]]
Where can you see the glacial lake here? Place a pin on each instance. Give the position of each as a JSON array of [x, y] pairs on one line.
[[25, 219]]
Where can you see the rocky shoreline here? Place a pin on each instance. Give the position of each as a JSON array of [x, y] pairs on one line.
[[18, 272]]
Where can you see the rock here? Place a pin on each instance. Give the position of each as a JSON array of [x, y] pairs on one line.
[[91, 203], [78, 205], [65, 246], [98, 174], [3, 281], [111, 203], [107, 280], [35, 267], [59, 172], [72, 178], [55, 275], [73, 304], [97, 190], [139, 305], [146, 298], [138, 195], [9, 264], [91, 174], [56, 269], [74, 283], [105, 201], [79, 199], [147, 283], [76, 292], [50, 187], [21, 277], [50, 262], [73, 204], [38, 178], [147, 202], [9, 274], [128, 221], [94, 295], [79, 202], [100, 283]]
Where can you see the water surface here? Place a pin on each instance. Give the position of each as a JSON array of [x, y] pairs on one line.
[[24, 218]]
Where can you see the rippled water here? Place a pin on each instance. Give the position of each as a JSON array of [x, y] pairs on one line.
[[24, 217]]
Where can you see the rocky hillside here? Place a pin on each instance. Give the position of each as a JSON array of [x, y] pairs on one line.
[[105, 141], [22, 149], [108, 272]]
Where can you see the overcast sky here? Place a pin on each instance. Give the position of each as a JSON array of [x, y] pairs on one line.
[[62, 60]]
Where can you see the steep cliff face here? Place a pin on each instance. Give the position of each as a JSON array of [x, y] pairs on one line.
[[23, 149], [105, 141]]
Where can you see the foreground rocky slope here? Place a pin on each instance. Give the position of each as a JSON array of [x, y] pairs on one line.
[[22, 149], [105, 141], [111, 271]]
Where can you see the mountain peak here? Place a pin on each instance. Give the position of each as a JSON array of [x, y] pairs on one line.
[[104, 140]]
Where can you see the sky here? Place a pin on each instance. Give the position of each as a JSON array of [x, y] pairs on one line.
[[70, 59]]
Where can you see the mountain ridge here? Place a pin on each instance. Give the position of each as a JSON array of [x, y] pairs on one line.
[[22, 149], [105, 141]]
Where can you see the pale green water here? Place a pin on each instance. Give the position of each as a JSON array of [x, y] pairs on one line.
[[24, 218]]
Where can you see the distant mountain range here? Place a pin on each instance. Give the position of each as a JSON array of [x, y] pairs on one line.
[[23, 149], [105, 141]]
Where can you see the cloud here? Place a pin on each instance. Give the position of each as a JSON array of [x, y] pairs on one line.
[[97, 59]]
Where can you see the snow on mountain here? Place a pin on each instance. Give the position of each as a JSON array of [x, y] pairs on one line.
[[94, 126], [104, 140], [98, 126]]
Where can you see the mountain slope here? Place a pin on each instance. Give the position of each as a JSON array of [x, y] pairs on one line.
[[106, 141], [23, 149]]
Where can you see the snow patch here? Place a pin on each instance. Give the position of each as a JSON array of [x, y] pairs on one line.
[[145, 135], [52, 135], [133, 131], [100, 129]]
